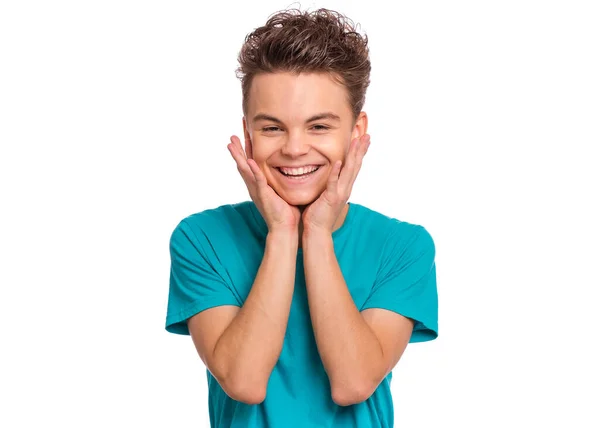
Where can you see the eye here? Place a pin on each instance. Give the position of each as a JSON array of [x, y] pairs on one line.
[[270, 129], [321, 127]]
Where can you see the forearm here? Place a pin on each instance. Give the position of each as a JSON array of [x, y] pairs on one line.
[[249, 348], [347, 345]]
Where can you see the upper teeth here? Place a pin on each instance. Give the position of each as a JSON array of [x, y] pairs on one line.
[[298, 171]]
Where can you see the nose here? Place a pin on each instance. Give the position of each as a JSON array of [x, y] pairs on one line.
[[294, 145]]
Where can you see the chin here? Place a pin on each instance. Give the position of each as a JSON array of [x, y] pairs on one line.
[[300, 200]]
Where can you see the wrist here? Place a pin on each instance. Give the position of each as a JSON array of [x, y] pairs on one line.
[[283, 238], [316, 236]]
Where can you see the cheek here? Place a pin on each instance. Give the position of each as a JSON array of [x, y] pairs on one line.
[[259, 153], [263, 147], [334, 148], [341, 150]]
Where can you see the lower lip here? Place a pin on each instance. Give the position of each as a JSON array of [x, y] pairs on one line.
[[295, 180]]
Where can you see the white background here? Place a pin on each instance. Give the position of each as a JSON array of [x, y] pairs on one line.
[[114, 121]]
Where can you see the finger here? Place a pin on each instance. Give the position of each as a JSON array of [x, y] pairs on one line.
[[263, 188], [241, 154], [253, 168], [361, 147], [334, 176], [258, 175], [242, 165], [240, 161], [361, 151], [354, 165], [365, 146], [346, 174], [360, 154], [238, 144], [237, 150]]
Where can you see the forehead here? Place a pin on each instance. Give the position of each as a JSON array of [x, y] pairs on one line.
[[296, 96]]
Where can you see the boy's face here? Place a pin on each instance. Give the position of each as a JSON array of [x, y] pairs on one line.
[[281, 131]]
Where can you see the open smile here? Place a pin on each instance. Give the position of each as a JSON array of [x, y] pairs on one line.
[[294, 176]]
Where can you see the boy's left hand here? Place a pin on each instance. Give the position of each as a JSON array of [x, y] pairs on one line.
[[323, 213]]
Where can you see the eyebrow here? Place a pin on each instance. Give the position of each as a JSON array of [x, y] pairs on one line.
[[319, 116]]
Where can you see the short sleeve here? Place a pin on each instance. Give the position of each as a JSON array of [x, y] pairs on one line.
[[406, 282], [195, 283]]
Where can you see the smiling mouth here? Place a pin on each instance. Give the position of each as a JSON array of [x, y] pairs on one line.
[[299, 174]]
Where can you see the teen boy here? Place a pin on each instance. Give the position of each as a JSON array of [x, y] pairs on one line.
[[298, 302]]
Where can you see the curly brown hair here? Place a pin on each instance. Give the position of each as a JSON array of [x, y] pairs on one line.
[[323, 41]]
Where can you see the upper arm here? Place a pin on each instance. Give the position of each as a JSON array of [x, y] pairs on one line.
[[202, 299], [206, 328], [403, 304], [406, 282], [198, 282]]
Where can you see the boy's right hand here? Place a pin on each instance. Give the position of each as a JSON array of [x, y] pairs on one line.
[[277, 213]]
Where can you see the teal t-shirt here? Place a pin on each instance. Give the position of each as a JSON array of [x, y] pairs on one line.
[[386, 263]]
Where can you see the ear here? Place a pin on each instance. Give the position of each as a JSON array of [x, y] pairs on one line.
[[360, 126], [247, 139]]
